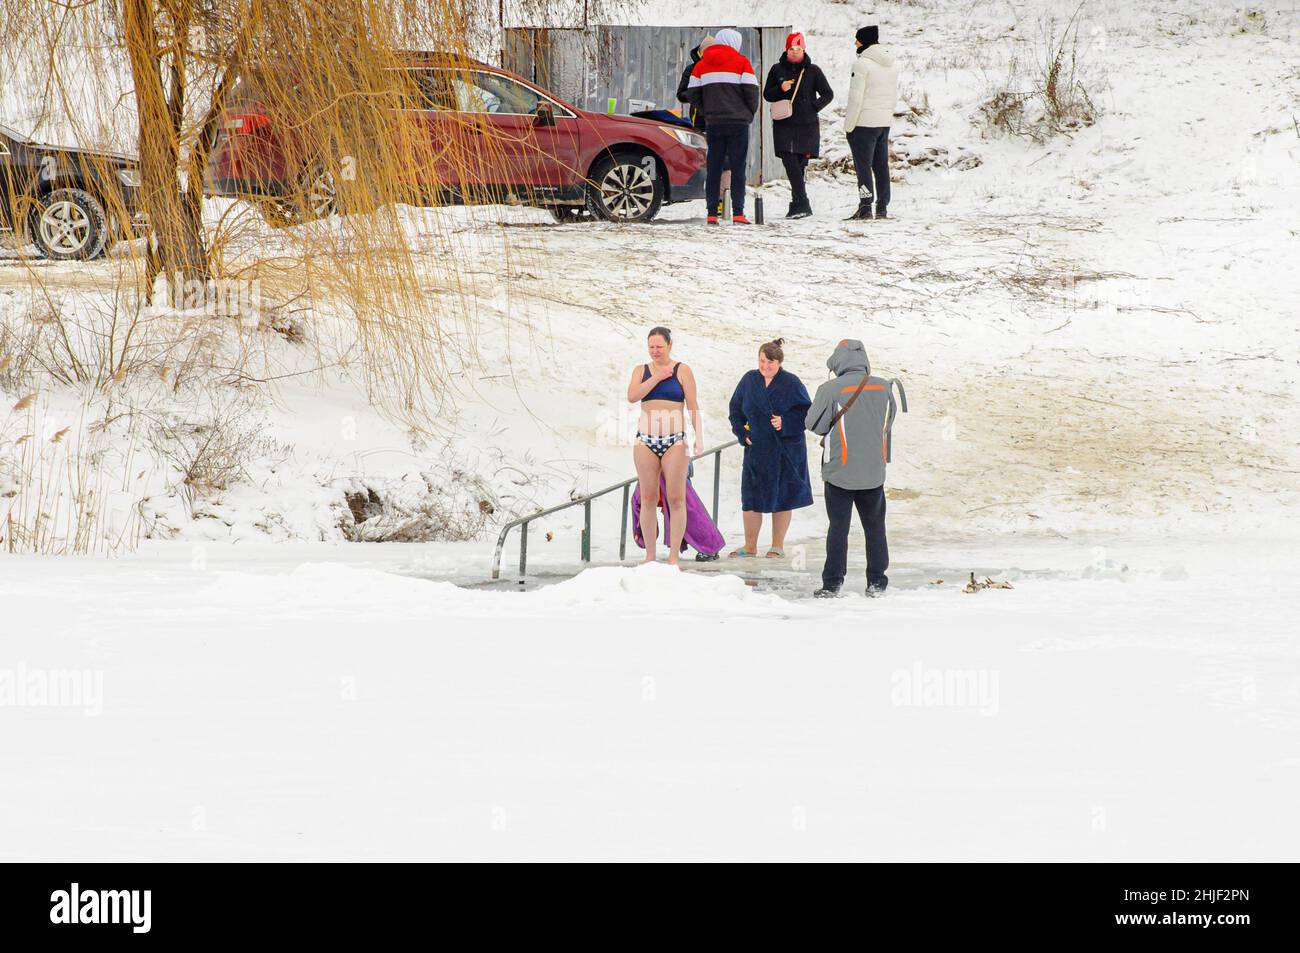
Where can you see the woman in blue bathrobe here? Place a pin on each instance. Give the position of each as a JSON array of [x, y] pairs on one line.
[[767, 416]]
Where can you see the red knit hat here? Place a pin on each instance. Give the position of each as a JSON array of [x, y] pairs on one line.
[[794, 38]]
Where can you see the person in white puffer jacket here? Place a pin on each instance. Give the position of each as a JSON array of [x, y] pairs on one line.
[[873, 94]]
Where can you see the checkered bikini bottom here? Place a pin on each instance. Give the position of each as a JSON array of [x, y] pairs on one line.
[[660, 445]]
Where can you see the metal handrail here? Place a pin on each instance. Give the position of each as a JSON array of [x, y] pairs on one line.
[[585, 502]]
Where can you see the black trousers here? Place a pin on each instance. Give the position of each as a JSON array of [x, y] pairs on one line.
[[870, 505], [795, 165], [870, 148], [728, 148]]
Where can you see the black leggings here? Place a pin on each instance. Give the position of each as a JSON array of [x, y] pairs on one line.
[[795, 165], [729, 146]]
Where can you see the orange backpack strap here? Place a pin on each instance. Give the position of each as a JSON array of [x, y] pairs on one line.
[[845, 409]]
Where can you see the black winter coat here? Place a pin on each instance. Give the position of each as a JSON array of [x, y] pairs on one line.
[[801, 133], [683, 96]]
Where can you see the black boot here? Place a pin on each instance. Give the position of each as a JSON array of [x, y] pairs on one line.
[[876, 587], [863, 214], [793, 210], [825, 593], [800, 208], [881, 213]]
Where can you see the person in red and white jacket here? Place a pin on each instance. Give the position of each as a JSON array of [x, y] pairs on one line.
[[725, 90]]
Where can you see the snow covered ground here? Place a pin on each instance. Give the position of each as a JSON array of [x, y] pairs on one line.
[[269, 701], [1098, 338]]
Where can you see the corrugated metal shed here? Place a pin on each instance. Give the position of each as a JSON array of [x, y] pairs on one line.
[[624, 69]]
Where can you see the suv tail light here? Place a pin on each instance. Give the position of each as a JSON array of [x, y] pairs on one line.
[[238, 124]]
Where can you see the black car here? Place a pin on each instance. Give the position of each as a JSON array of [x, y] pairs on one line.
[[71, 203]]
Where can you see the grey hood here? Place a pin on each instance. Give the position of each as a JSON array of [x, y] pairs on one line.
[[729, 37], [849, 355], [857, 441]]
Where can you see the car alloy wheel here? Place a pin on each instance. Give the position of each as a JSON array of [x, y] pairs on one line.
[[627, 190], [69, 224], [322, 196], [65, 228]]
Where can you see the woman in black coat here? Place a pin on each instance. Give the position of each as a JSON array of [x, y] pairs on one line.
[[797, 139]]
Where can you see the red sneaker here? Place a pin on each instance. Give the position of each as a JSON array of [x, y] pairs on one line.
[[712, 220], [740, 220]]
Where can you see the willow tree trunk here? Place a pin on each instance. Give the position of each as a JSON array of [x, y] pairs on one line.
[[175, 217]]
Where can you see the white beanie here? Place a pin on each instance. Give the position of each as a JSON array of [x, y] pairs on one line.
[[729, 37]]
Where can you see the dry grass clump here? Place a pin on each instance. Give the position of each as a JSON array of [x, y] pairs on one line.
[[65, 484], [211, 451], [1051, 96]]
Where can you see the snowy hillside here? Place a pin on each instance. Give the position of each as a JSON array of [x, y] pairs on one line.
[[1098, 336], [1087, 327]]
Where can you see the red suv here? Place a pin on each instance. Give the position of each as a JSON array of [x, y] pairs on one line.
[[515, 142]]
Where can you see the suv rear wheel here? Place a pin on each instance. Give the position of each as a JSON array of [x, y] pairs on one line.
[[69, 225], [316, 197], [625, 188], [321, 194]]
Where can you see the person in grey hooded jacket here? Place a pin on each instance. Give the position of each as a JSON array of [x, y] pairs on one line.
[[854, 453]]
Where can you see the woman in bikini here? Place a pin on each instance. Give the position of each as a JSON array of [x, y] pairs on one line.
[[666, 390]]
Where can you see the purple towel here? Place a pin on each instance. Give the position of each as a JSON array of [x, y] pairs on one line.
[[701, 534]]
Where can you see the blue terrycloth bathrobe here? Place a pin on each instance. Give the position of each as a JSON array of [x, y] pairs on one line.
[[775, 475]]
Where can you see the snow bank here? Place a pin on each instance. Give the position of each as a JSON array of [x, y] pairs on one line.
[[646, 592], [651, 591]]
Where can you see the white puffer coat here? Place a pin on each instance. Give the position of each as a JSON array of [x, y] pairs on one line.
[[873, 90]]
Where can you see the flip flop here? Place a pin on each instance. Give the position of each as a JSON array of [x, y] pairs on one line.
[[776, 552], [739, 553]]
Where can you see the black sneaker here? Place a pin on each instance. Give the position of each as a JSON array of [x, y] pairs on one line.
[[793, 210], [863, 214], [802, 210], [881, 213], [876, 589], [825, 593]]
